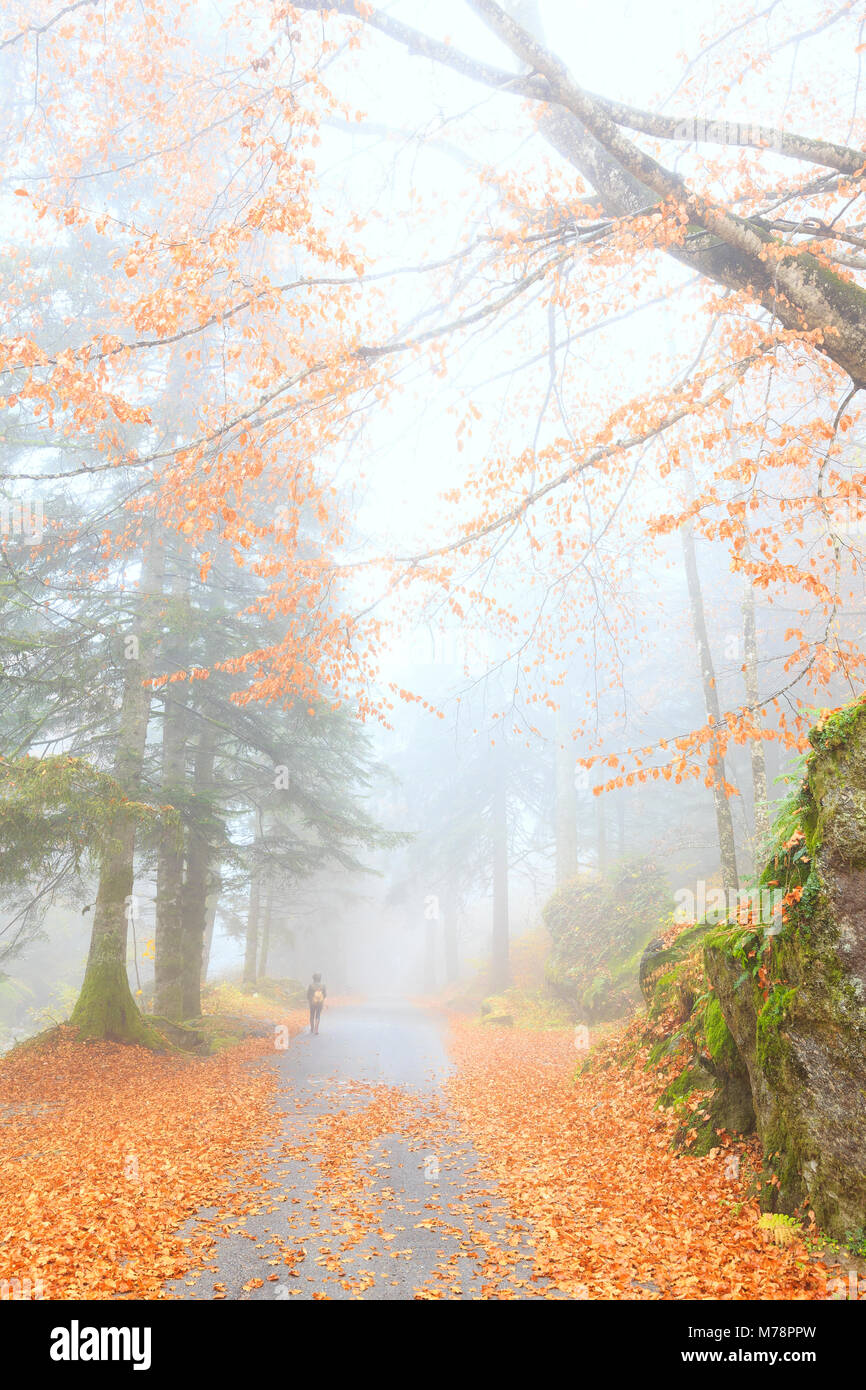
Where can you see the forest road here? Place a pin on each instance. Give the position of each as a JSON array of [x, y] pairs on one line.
[[375, 1193]]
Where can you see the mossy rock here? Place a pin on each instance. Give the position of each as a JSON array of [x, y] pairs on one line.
[[497, 1011], [801, 1029], [186, 1037], [220, 1031], [696, 1034]]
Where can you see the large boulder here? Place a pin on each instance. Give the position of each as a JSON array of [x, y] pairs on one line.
[[794, 999], [709, 1090]]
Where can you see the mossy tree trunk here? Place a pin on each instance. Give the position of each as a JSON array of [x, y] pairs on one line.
[[105, 1007], [168, 960]]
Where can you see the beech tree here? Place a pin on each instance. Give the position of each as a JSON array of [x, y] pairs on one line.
[[216, 258], [786, 255]]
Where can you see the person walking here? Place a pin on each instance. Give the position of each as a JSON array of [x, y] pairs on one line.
[[315, 998]]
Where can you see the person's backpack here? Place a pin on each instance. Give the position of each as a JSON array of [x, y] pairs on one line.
[[318, 998]]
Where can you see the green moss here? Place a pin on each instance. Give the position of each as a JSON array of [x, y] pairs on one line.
[[626, 971], [838, 728], [770, 1045], [683, 1086], [696, 1131], [106, 1009], [785, 1008], [220, 1042], [669, 960], [809, 820], [710, 1062], [783, 1188], [681, 981], [720, 1042]]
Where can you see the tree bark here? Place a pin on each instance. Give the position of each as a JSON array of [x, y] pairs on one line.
[[721, 804], [760, 788], [795, 288], [267, 908], [168, 958]]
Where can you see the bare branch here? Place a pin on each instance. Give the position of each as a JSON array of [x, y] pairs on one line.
[[49, 24]]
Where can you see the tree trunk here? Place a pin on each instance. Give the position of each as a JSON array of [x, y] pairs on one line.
[[449, 942], [105, 1007], [601, 832], [195, 895], [724, 819], [168, 963], [565, 801], [252, 939], [210, 919], [168, 957], [760, 790], [499, 962], [262, 967]]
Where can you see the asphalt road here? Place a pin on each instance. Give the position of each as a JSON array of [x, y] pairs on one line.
[[373, 1192]]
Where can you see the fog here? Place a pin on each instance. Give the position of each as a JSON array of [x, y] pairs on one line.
[[432, 515], [573, 634]]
